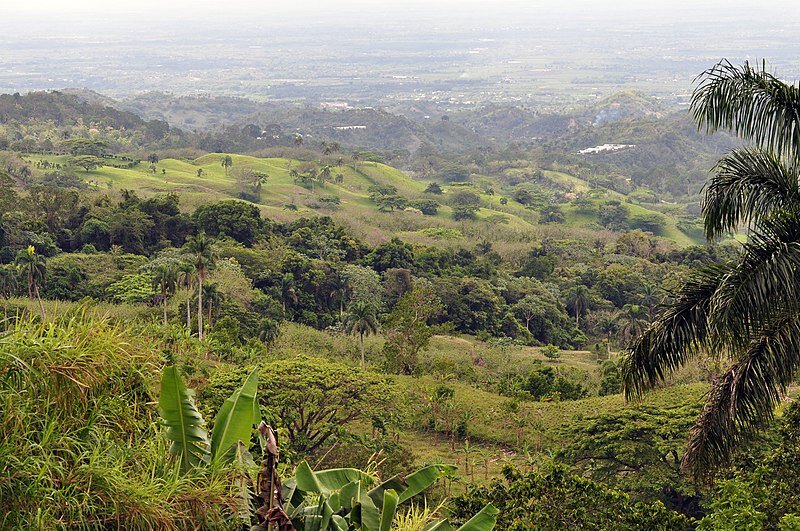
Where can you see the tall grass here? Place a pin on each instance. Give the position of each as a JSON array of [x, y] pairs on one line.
[[79, 444]]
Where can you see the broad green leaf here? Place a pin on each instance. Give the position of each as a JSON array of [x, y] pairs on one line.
[[235, 419], [185, 426], [390, 501], [485, 520], [327, 481], [423, 478]]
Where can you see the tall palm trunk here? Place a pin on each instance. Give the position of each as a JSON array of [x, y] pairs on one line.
[[363, 360], [164, 300], [210, 304], [200, 277], [189, 306], [38, 298]]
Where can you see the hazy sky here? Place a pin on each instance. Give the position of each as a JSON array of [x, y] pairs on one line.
[[632, 8]]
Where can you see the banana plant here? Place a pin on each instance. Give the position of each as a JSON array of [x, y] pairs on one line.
[[345, 498], [189, 441]]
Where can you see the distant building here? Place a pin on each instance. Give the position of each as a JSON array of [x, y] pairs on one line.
[[605, 147], [334, 105]]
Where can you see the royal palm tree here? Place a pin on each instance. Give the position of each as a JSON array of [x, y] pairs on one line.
[[212, 297], [226, 163], [745, 312], [361, 320], [8, 285], [185, 276], [165, 279], [200, 248], [34, 267], [579, 298]]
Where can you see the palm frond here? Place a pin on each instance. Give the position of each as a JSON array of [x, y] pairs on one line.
[[675, 336], [749, 185], [742, 399], [763, 282], [721, 307], [752, 102]]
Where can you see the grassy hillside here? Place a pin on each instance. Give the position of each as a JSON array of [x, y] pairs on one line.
[[511, 226]]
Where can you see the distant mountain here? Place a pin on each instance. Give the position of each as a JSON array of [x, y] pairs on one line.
[[47, 109]]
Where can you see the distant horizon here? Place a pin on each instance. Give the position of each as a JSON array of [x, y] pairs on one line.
[[540, 53]]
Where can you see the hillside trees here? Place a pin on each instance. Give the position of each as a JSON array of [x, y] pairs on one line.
[[408, 331]]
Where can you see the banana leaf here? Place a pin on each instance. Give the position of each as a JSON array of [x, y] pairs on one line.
[[484, 520], [326, 481], [236, 419], [185, 426], [390, 501]]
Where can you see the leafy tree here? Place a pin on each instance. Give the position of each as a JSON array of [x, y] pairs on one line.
[[392, 254], [152, 158], [311, 400], [554, 499], [429, 207], [638, 450], [434, 188], [551, 214], [407, 328], [747, 307], [461, 213], [453, 173], [236, 219], [551, 352], [33, 267], [87, 162], [201, 252], [361, 320]]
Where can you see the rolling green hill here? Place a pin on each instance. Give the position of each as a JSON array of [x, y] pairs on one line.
[[283, 198]]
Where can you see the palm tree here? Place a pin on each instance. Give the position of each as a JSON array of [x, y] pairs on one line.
[[165, 279], [361, 320], [324, 175], [650, 296], [633, 320], [200, 249], [579, 298], [608, 325], [226, 163], [212, 296], [8, 284], [268, 331], [287, 290], [33, 266], [185, 276], [746, 311]]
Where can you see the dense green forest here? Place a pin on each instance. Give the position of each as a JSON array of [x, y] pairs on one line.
[[191, 318]]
